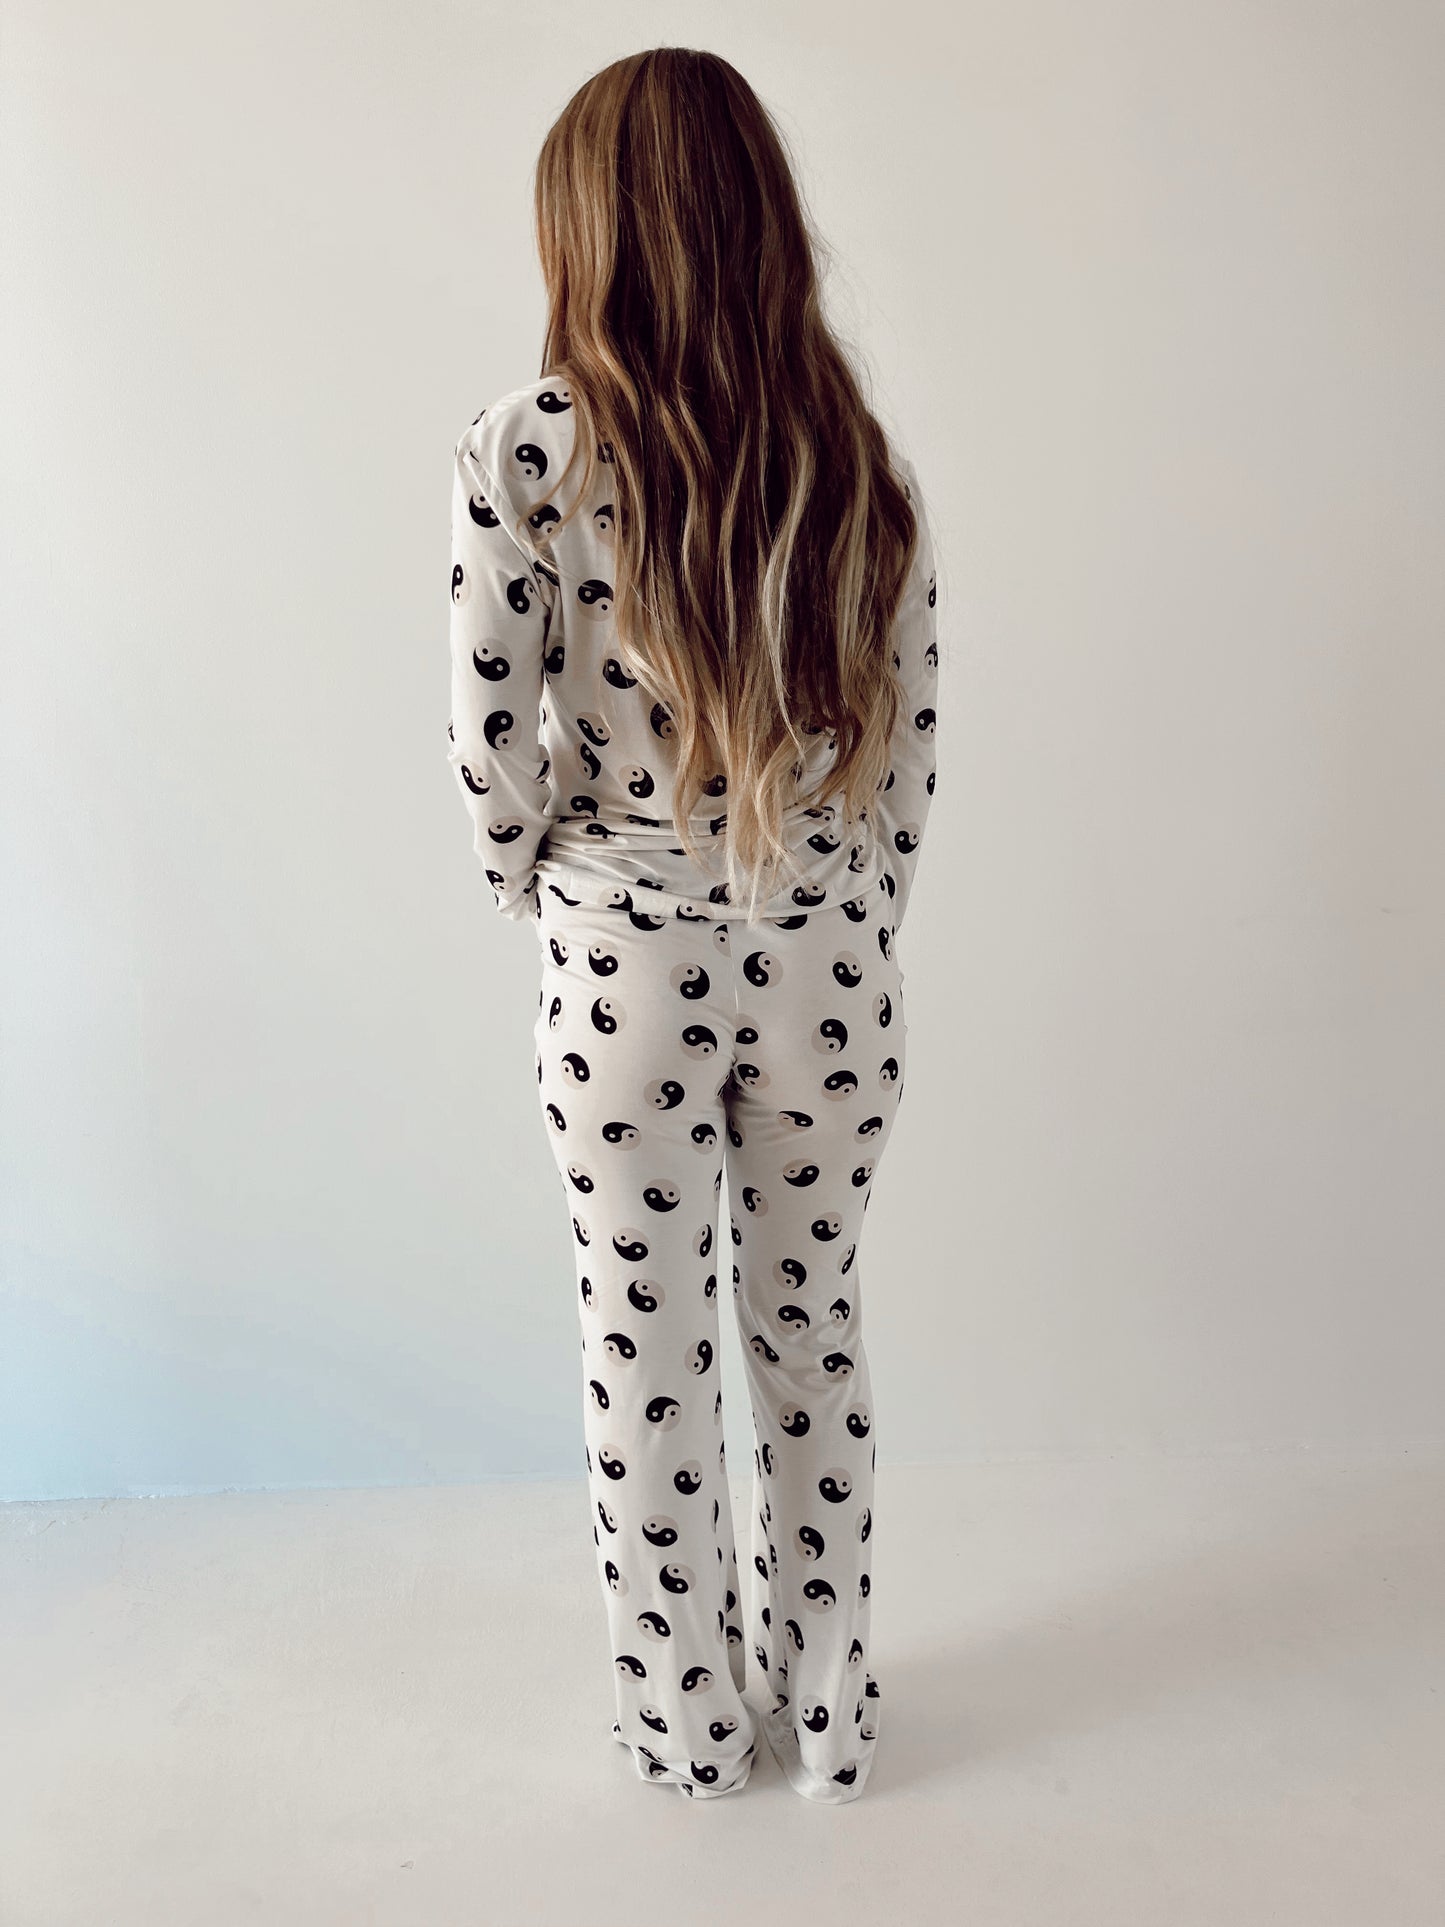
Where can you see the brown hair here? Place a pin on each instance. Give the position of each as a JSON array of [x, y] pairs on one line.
[[763, 537]]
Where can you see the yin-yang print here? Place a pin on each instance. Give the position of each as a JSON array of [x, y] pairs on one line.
[[668, 1049], [567, 764]]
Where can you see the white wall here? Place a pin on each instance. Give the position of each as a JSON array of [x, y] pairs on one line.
[[1155, 295]]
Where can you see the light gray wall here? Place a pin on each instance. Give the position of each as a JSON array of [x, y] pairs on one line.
[[1154, 295]]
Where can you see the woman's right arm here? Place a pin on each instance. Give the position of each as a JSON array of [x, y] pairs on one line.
[[501, 611]]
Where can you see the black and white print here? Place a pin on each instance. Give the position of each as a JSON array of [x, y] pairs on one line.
[[678, 1038], [565, 763], [667, 1047]]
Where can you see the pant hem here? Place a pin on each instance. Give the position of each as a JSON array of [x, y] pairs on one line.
[[682, 1778], [813, 1786]]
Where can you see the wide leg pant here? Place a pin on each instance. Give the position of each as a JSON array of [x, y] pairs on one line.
[[663, 1047]]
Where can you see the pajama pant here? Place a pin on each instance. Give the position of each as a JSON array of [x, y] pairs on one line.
[[663, 1047]]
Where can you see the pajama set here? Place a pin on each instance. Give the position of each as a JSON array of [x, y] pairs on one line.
[[676, 1035]]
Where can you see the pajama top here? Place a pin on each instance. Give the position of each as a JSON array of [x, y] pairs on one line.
[[567, 765]]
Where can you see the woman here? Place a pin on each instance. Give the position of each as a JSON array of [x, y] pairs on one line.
[[693, 672]]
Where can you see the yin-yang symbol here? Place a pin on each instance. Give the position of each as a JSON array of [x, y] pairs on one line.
[[594, 599], [489, 662], [528, 462]]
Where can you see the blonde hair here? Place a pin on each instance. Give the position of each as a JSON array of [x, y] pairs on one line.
[[763, 538]]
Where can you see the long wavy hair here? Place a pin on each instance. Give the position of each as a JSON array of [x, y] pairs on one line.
[[763, 539]]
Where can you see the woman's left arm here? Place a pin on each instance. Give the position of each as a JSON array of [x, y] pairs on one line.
[[903, 803]]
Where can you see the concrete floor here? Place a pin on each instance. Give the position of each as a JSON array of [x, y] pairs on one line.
[[1172, 1692]]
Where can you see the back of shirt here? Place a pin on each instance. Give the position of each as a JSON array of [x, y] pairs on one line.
[[567, 764]]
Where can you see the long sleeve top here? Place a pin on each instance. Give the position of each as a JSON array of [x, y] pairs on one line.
[[566, 764]]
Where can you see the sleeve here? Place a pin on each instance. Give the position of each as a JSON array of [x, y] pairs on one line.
[[903, 802], [501, 611]]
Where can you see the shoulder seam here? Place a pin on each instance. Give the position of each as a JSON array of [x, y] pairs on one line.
[[500, 497]]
